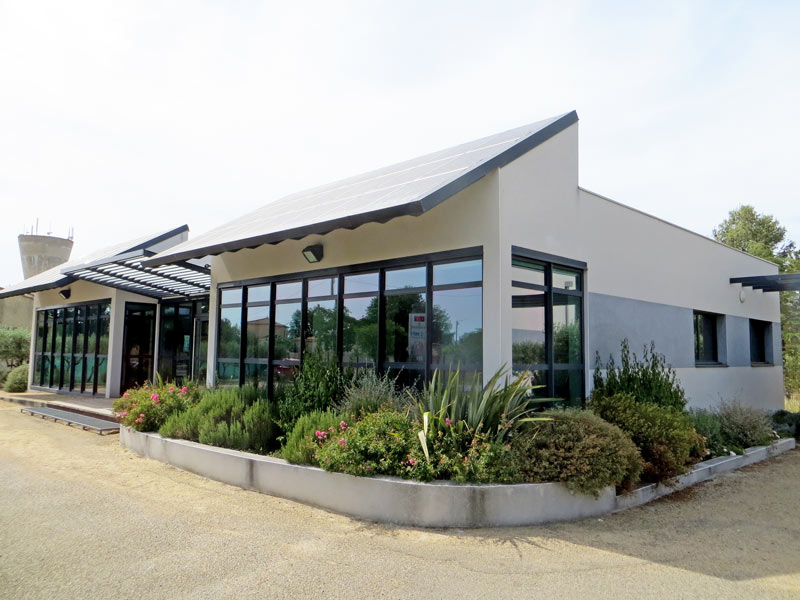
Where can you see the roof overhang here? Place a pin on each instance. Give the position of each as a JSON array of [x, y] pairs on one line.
[[786, 282], [126, 272], [232, 240]]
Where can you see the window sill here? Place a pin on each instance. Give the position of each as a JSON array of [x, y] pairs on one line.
[[710, 365], [761, 364]]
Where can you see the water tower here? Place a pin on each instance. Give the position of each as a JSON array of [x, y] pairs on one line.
[[42, 252]]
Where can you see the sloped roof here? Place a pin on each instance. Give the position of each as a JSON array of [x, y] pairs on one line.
[[60, 275], [407, 188]]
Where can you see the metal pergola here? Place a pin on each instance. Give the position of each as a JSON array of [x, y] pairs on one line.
[[125, 271], [786, 282]]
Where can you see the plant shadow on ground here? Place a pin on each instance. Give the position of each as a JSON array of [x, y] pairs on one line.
[[739, 526]]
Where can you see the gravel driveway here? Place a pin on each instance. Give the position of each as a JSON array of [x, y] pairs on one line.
[[82, 517]]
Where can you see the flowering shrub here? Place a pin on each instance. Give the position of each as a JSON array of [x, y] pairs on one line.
[[386, 443], [147, 408], [309, 434]]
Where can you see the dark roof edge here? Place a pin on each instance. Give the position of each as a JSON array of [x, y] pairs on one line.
[[160, 238], [38, 288], [415, 208]]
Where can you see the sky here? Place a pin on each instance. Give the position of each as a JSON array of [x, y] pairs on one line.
[[119, 119]]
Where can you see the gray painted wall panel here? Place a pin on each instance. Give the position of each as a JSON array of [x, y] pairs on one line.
[[611, 319], [738, 334]]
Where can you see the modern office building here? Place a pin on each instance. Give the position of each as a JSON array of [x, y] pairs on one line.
[[483, 255]]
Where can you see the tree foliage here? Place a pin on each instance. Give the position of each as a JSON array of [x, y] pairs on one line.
[[763, 236], [14, 346]]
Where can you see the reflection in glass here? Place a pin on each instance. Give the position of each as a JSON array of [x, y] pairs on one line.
[[569, 386], [230, 333], [289, 291], [360, 330], [321, 334], [258, 293], [457, 329], [323, 287], [232, 296], [406, 331], [102, 372], [568, 280], [257, 332], [287, 331], [529, 272], [567, 329], [414, 277], [528, 329], [361, 283], [458, 272]]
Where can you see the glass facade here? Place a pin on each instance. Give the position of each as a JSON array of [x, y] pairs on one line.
[[71, 348], [547, 328], [408, 317]]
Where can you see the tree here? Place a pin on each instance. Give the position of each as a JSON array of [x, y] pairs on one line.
[[14, 346], [763, 236]]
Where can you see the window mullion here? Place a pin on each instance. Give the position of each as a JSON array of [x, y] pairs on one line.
[[548, 327]]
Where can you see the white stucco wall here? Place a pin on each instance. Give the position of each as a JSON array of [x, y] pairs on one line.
[[632, 255], [84, 291]]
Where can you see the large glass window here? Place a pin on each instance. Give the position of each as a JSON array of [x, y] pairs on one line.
[[407, 318], [175, 341], [547, 328], [66, 349]]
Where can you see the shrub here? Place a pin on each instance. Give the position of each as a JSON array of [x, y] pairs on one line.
[[147, 408], [236, 418], [15, 345], [493, 410], [317, 385], [647, 380], [308, 435], [664, 436], [578, 448], [369, 392], [707, 424], [787, 424], [17, 380], [743, 426]]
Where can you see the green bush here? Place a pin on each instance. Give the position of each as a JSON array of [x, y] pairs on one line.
[[15, 346], [387, 443], [17, 380], [237, 418], [647, 380], [707, 424], [743, 426], [787, 424], [664, 436], [579, 449], [495, 410], [309, 434], [317, 385], [148, 407], [368, 392]]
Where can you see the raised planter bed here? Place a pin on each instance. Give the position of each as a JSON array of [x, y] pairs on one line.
[[403, 502]]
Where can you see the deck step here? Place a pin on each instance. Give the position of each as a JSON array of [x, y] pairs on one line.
[[100, 426]]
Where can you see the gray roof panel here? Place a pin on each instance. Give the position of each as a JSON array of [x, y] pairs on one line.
[[407, 188]]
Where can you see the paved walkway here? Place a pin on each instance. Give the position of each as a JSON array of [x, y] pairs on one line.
[[82, 517], [87, 404]]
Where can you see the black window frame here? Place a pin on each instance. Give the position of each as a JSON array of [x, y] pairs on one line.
[[428, 261], [549, 262], [45, 381], [699, 331]]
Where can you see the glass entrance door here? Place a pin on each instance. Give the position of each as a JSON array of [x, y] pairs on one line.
[[138, 344], [200, 353]]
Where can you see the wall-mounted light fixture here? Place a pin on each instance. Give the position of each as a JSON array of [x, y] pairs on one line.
[[313, 254], [65, 294]]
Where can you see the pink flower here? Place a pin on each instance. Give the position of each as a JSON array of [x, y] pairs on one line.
[[123, 414], [321, 435], [331, 428], [141, 415], [368, 468], [342, 425], [139, 420], [447, 421], [171, 389], [342, 442], [126, 395], [412, 461], [155, 398], [184, 389]]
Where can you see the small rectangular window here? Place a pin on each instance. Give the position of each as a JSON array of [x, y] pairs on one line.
[[759, 341], [705, 338]]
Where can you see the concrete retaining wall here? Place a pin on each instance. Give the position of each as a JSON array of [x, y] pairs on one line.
[[393, 500]]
